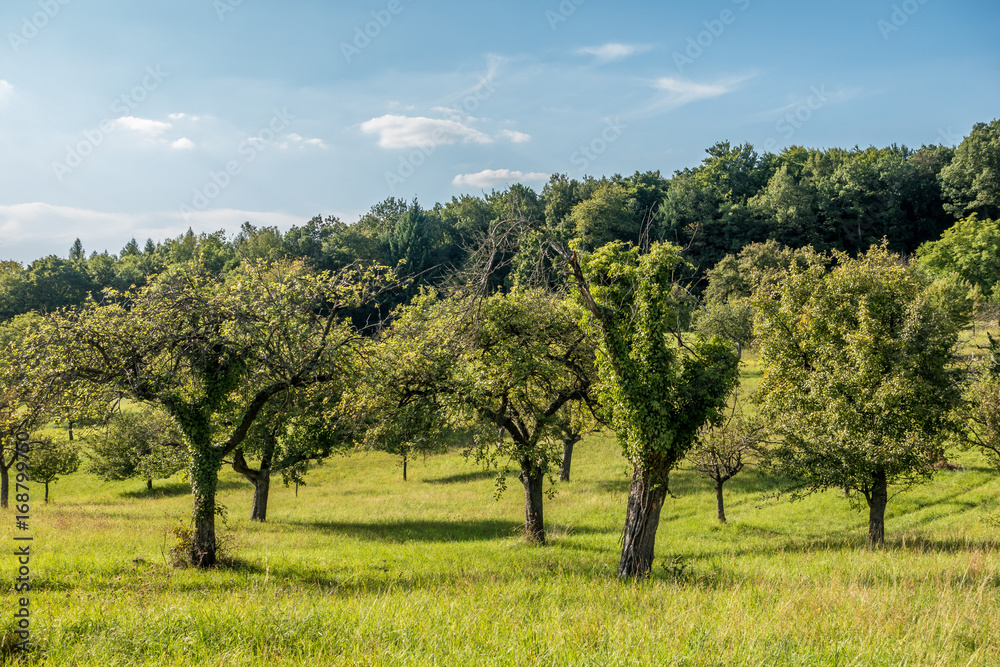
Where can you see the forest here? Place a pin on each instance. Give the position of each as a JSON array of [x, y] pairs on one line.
[[818, 321]]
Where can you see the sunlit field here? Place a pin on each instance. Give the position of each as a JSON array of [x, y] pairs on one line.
[[361, 567]]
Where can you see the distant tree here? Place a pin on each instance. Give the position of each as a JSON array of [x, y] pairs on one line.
[[131, 248], [723, 450], [971, 183], [982, 408], [971, 249], [76, 252], [859, 379], [658, 385], [145, 443], [49, 460]]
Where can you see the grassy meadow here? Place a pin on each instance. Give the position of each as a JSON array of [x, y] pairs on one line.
[[362, 568]]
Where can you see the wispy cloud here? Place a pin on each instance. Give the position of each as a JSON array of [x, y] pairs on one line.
[[817, 95], [611, 51], [299, 139], [675, 92], [515, 136], [145, 126], [6, 90], [182, 144], [490, 177], [396, 131]]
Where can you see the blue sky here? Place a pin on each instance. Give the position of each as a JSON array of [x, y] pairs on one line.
[[127, 119]]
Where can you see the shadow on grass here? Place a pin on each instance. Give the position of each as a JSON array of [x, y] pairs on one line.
[[174, 489], [460, 478], [418, 531], [428, 531]]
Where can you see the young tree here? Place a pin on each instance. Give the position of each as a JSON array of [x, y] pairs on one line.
[[144, 443], [215, 351], [722, 450], [49, 460], [859, 379], [658, 385]]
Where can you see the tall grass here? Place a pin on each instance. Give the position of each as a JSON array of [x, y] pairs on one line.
[[363, 568]]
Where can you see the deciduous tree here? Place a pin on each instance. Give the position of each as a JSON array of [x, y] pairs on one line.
[[859, 379]]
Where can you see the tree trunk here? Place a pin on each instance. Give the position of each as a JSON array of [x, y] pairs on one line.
[[70, 429], [261, 480], [877, 500], [204, 483], [404, 466], [719, 502], [533, 479], [149, 484], [645, 500], [567, 458], [4, 485], [46, 492], [261, 488]]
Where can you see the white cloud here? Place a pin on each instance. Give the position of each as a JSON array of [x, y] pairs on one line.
[[182, 144], [677, 92], [6, 90], [515, 136], [151, 128], [419, 132], [299, 139], [183, 116], [688, 91], [606, 53], [490, 177]]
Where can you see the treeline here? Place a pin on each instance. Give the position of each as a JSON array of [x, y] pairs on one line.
[[833, 199]]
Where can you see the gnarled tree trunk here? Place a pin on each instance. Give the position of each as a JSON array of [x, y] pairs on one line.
[[261, 480], [645, 500], [532, 478], [877, 498], [205, 464]]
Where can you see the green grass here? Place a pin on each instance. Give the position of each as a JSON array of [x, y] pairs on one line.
[[363, 568]]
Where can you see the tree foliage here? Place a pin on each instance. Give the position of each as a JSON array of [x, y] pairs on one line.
[[144, 443], [858, 378]]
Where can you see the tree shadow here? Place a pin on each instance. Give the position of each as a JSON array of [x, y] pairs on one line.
[[460, 478], [174, 489], [418, 531]]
